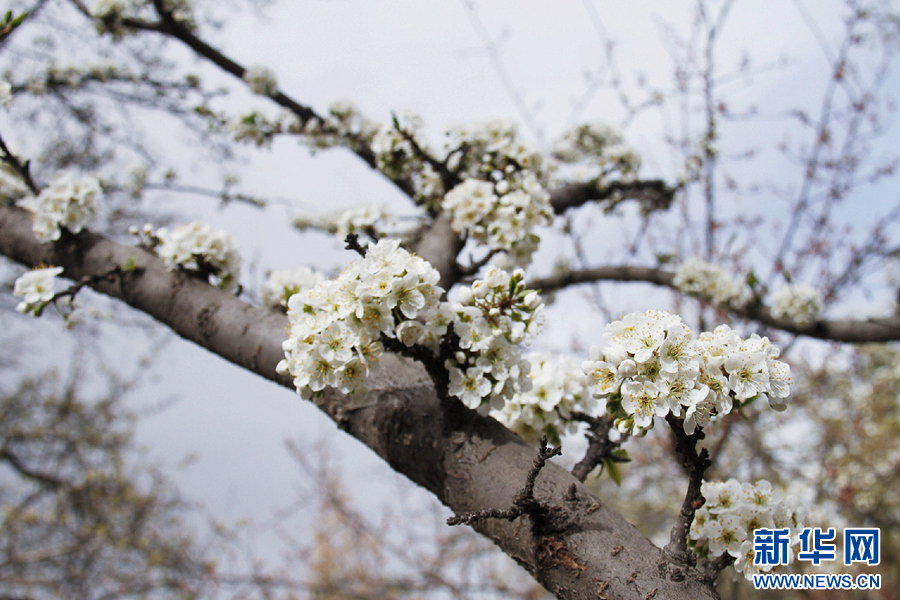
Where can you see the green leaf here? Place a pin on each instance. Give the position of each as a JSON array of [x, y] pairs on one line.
[[752, 280], [614, 473], [621, 454], [129, 265]]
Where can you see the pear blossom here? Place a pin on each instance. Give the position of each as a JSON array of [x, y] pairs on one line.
[[337, 325], [492, 318], [281, 285], [36, 288], [501, 200], [198, 247], [653, 366], [365, 218], [800, 304], [68, 202], [712, 282], [732, 511], [261, 80], [559, 390], [599, 150]]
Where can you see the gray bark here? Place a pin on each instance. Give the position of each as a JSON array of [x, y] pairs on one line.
[[581, 550]]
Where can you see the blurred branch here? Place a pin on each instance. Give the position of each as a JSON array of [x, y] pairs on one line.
[[884, 329], [652, 194]]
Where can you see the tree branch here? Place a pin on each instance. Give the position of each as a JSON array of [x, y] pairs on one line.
[[885, 329], [695, 464], [653, 194], [600, 447], [469, 462]]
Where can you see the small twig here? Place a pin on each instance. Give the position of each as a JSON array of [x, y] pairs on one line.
[[110, 276], [600, 447], [716, 565], [23, 169], [524, 503], [352, 241], [448, 179], [696, 464], [473, 267]]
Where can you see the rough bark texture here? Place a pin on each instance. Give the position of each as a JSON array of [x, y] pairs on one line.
[[579, 550]]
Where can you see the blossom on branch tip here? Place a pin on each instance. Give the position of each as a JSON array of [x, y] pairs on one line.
[[261, 80], [68, 202], [36, 288], [371, 219], [653, 367]]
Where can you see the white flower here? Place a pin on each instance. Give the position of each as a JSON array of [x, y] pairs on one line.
[[559, 389], [281, 285], [732, 512], [67, 202], [492, 318], [470, 385], [653, 366], [800, 304], [261, 80], [697, 277], [198, 247], [337, 325], [35, 287]]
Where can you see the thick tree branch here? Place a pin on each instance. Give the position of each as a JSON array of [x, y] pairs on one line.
[[885, 329], [469, 462]]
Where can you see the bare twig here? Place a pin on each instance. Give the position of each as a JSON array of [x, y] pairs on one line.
[[352, 243], [600, 447], [524, 503], [19, 167]]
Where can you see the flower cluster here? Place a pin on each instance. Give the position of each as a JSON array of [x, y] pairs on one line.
[[654, 366], [257, 128], [725, 523], [337, 325], [709, 281], [344, 126], [395, 148], [366, 218], [559, 389], [199, 247], [600, 146], [501, 200], [499, 216], [36, 288], [800, 304], [281, 285], [261, 80], [67, 202], [110, 13], [491, 319]]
